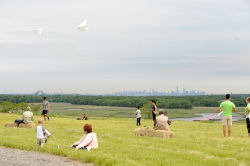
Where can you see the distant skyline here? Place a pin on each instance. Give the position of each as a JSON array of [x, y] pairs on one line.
[[130, 46], [177, 92]]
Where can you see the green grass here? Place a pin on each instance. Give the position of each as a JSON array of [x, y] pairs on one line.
[[92, 111], [194, 143]]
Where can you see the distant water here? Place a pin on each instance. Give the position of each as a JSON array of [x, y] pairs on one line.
[[236, 117], [74, 109]]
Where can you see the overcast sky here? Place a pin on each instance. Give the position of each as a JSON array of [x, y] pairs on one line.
[[130, 45]]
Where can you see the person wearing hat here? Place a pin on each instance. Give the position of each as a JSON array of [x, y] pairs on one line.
[[161, 122], [27, 117]]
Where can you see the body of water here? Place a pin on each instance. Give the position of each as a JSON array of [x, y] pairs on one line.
[[236, 117]]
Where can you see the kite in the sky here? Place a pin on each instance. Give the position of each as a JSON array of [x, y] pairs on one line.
[[83, 26], [38, 31]]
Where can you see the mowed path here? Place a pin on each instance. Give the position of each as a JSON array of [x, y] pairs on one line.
[[14, 157]]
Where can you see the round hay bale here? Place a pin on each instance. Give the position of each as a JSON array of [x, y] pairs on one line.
[[28, 125], [10, 124], [149, 132]]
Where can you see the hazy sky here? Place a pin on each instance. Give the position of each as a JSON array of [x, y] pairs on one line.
[[131, 45]]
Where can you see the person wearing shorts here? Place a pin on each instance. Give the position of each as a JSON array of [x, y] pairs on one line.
[[227, 107], [40, 141], [247, 114], [46, 108]]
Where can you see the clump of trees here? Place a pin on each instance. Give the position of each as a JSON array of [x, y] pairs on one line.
[[8, 106], [35, 107], [146, 110], [173, 102]]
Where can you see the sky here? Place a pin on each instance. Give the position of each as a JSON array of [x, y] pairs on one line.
[[131, 45]]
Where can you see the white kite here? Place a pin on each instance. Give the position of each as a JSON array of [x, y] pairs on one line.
[[83, 26], [38, 31], [212, 117], [220, 113]]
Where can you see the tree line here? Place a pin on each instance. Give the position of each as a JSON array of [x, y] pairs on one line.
[[174, 102]]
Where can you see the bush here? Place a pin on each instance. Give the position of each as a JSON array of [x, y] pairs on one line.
[[36, 108], [8, 106]]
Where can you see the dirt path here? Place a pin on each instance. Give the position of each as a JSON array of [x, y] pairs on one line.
[[14, 157]]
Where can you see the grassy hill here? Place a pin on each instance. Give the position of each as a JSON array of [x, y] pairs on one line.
[[194, 143]]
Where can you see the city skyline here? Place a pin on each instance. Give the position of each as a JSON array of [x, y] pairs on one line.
[[179, 91]]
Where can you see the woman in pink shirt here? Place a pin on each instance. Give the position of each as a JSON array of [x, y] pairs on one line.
[[88, 141]]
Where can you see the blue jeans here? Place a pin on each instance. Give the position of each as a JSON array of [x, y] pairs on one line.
[[138, 122], [18, 121]]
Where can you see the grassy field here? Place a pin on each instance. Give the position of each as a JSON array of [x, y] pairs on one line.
[[66, 109], [194, 143], [92, 111]]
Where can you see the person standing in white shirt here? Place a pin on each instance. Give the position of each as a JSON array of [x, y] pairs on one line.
[[138, 116], [41, 133]]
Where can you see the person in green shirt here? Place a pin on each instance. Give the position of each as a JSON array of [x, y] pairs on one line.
[[247, 113], [227, 107]]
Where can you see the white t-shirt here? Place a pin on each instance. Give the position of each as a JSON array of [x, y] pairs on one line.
[[138, 114], [40, 132], [45, 105]]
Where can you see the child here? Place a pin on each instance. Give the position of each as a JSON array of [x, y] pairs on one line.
[[41, 133], [138, 116]]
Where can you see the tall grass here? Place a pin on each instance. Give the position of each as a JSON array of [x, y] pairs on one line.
[[194, 143]]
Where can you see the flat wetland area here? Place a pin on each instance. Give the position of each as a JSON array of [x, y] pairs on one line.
[[66, 109]]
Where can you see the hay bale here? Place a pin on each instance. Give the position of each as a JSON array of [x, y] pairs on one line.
[[21, 125], [28, 125], [150, 132], [10, 124]]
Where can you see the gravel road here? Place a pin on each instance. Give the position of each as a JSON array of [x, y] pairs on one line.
[[14, 157]]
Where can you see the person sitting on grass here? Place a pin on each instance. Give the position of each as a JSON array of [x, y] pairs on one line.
[[88, 141], [27, 117], [161, 122], [41, 133], [166, 114], [84, 117]]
